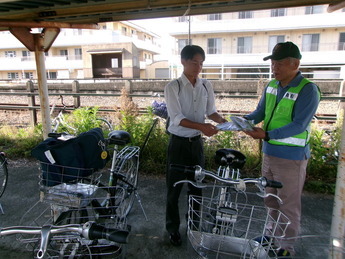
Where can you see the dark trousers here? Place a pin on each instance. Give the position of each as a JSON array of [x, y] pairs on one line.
[[183, 152]]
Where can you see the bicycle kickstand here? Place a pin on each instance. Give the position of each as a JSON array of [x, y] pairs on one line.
[[141, 205]]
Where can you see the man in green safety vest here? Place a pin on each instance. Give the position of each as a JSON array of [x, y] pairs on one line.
[[287, 107]]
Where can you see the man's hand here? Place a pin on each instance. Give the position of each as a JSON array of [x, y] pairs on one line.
[[208, 129], [256, 133]]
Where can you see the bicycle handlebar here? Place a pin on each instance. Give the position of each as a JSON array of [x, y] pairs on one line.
[[199, 174], [89, 230]]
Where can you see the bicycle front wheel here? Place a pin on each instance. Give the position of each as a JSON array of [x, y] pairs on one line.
[[127, 181], [3, 173]]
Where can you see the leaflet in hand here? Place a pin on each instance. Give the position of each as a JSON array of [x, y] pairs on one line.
[[236, 123]]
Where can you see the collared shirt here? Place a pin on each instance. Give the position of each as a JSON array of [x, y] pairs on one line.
[[188, 102], [304, 110]]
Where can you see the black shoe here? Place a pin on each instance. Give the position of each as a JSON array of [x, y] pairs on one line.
[[175, 239]]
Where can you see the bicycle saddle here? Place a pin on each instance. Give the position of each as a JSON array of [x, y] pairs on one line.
[[230, 157], [119, 137]]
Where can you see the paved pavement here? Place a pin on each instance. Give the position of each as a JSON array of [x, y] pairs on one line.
[[148, 238]]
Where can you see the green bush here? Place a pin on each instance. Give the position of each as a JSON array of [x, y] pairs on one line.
[[321, 171], [323, 165]]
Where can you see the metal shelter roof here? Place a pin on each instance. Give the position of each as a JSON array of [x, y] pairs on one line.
[[20, 16], [61, 13]]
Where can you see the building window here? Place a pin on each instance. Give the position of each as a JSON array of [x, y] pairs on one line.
[[245, 15], [63, 52], [313, 9], [244, 45], [78, 32], [27, 75], [51, 75], [124, 30], [310, 42], [183, 18], [78, 53], [12, 76], [273, 40], [26, 55], [278, 12], [182, 43], [115, 63], [214, 46], [10, 54], [341, 41], [214, 17]]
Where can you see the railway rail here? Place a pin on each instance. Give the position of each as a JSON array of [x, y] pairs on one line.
[[21, 109]]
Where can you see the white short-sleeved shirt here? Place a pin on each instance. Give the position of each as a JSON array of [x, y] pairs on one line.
[[187, 102]]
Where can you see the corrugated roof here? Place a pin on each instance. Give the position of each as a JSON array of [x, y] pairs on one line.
[[61, 13]]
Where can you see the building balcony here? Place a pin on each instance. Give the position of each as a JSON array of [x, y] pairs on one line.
[[28, 63], [282, 23]]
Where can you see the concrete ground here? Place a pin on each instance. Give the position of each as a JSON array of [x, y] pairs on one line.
[[148, 238]]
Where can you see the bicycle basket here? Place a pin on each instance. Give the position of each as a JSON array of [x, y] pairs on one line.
[[229, 231], [60, 158]]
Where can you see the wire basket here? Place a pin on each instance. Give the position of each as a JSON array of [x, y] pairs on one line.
[[231, 230], [67, 186], [102, 207], [83, 199]]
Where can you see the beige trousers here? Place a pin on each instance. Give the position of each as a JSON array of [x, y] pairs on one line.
[[291, 173]]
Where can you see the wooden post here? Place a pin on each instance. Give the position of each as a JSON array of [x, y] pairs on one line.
[[75, 90], [31, 102]]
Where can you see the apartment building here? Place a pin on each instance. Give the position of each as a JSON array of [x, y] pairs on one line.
[[235, 43], [116, 50]]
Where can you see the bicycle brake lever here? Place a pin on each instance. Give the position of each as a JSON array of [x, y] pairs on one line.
[[265, 195], [195, 184]]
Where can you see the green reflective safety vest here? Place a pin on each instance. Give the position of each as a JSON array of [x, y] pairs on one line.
[[279, 114]]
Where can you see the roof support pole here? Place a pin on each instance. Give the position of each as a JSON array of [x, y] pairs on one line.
[[42, 85], [39, 43]]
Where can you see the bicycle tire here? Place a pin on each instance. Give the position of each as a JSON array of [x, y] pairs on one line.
[[3, 173], [129, 183], [104, 124]]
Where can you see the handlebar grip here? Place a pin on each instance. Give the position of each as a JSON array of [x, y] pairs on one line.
[[98, 232], [274, 184], [190, 170]]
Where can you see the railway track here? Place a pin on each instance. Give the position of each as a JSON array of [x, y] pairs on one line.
[[16, 113]]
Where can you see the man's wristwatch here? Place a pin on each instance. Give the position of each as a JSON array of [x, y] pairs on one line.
[[267, 138]]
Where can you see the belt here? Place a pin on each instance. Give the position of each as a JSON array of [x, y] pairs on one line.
[[190, 139]]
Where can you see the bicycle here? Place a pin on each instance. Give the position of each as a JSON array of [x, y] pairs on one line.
[[72, 195], [60, 124], [52, 240], [230, 223], [227, 223], [3, 176]]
